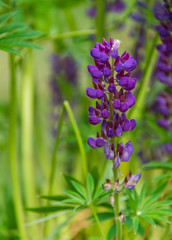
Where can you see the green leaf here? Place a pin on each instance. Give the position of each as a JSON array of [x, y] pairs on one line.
[[135, 224], [11, 50], [149, 201], [12, 27], [3, 4], [17, 43], [147, 218], [72, 201], [90, 186], [30, 34], [157, 165], [57, 198], [142, 193], [160, 204], [49, 209], [111, 232], [165, 212], [79, 188], [6, 16], [159, 217], [74, 195], [69, 179]]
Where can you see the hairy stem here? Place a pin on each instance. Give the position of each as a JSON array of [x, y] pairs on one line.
[[13, 153]]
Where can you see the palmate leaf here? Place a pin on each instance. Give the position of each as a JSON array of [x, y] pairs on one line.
[[15, 35]]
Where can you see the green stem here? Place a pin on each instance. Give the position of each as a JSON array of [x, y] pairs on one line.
[[67, 107], [13, 153], [27, 130], [116, 209], [98, 222], [100, 19], [79, 139], [53, 159], [27, 110]]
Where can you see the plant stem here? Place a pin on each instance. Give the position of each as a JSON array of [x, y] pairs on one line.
[[53, 159], [116, 209], [98, 222], [67, 107], [13, 153], [100, 19], [79, 139], [27, 110]]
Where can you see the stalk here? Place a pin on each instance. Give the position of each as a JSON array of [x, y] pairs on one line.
[[100, 19], [116, 209], [53, 159], [115, 172], [27, 110], [67, 107], [13, 153]]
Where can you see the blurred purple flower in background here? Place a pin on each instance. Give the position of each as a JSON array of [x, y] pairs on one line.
[[163, 104], [62, 82], [115, 6]]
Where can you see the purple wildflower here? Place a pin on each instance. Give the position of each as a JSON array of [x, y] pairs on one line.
[[112, 86]]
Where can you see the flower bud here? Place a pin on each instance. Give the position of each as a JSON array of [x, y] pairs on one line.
[[111, 200], [106, 186], [121, 217]]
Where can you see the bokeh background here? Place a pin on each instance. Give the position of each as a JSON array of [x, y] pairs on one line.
[[45, 78]]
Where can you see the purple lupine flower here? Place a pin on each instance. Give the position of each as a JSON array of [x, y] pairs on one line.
[[112, 86], [132, 181]]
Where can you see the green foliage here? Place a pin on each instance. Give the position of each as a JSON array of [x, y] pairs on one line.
[[15, 35], [77, 197], [146, 207]]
